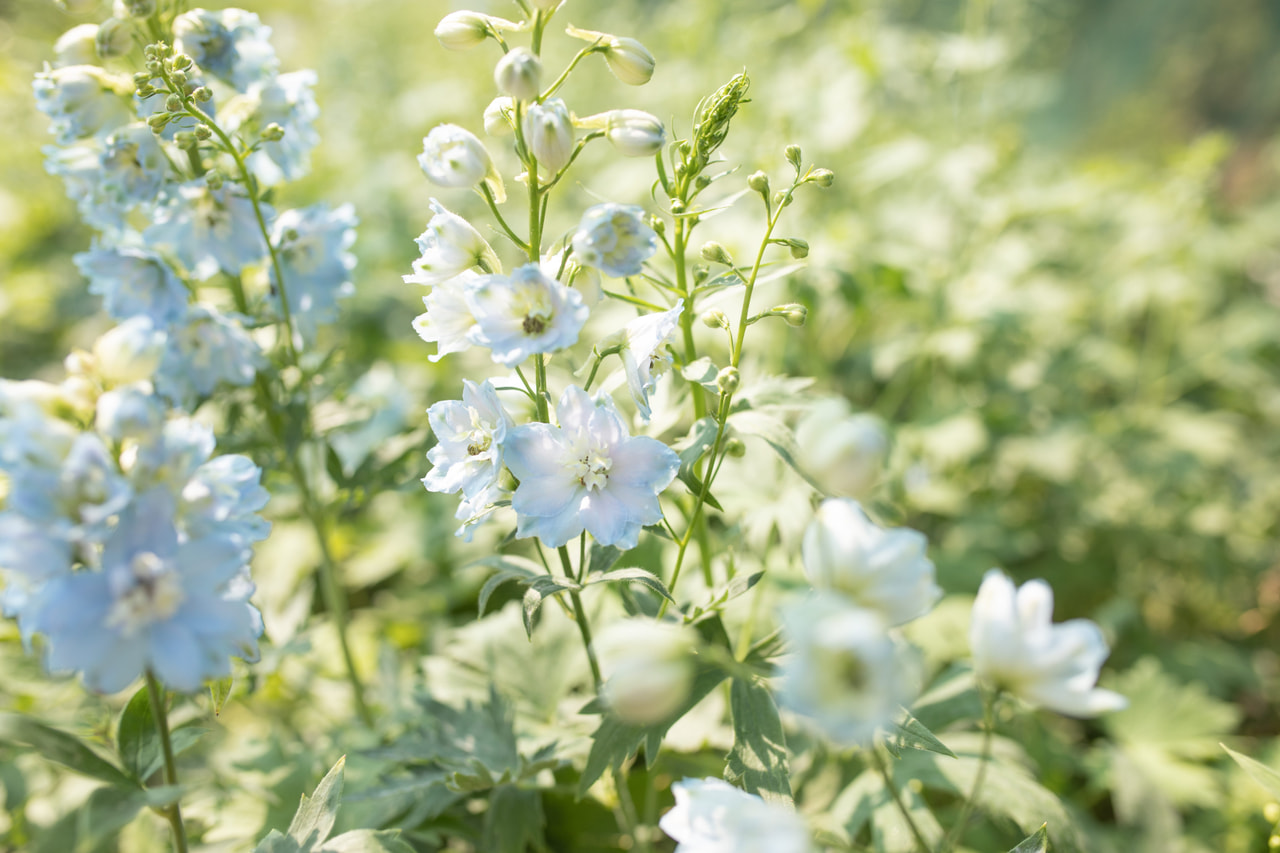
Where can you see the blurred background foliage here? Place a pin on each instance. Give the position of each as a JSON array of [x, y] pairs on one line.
[[1050, 261]]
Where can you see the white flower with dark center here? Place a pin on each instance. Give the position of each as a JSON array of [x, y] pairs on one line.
[[469, 434], [615, 239], [847, 675], [883, 570], [448, 321], [524, 313], [450, 246], [588, 474], [1016, 647], [712, 816], [645, 357]]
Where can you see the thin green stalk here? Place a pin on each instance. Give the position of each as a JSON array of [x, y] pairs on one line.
[[497, 214], [956, 835], [564, 75], [172, 812], [878, 760], [580, 616]]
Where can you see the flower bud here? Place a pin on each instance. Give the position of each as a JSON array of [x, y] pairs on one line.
[[548, 131], [157, 122], [630, 61], [202, 131], [135, 8], [794, 313], [781, 199], [799, 248], [203, 94], [822, 177], [182, 62], [735, 447], [794, 156], [114, 38], [272, 133], [759, 182], [716, 254], [130, 352], [77, 46], [728, 379], [648, 668], [173, 103], [635, 133], [715, 319], [499, 116], [519, 74], [453, 157], [213, 179], [463, 30], [179, 79], [841, 451]]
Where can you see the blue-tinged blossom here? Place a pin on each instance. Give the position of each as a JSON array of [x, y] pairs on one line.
[[223, 497], [615, 239], [108, 179], [81, 100], [130, 412], [31, 552], [288, 101], [134, 282], [229, 44], [209, 230], [85, 490], [205, 350], [311, 244]]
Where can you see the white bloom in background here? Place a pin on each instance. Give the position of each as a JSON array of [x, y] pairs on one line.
[[524, 313], [519, 74], [548, 131], [589, 474], [454, 157], [615, 239], [499, 116], [77, 46], [1016, 647], [447, 322], [645, 357], [842, 452], [450, 246], [712, 816], [81, 100], [463, 30], [846, 674], [882, 570], [469, 437], [648, 668], [130, 352]]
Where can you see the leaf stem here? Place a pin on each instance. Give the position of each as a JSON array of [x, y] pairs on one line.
[[172, 812], [956, 835], [878, 760]]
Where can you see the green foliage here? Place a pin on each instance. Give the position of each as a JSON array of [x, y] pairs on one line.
[[758, 760]]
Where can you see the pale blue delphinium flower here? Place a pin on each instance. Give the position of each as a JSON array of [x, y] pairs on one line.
[[449, 247], [524, 313], [588, 473], [448, 322], [162, 603], [644, 355], [311, 245], [81, 100], [224, 496], [475, 511], [209, 230], [29, 433], [130, 352], [31, 552], [205, 350], [171, 456], [108, 179], [230, 44], [469, 437], [134, 281], [615, 239], [85, 491], [130, 412], [286, 100]]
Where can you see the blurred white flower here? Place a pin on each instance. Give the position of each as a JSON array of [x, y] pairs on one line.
[[842, 452], [712, 816], [847, 675], [548, 131], [645, 358], [499, 116], [450, 246], [524, 313], [882, 570], [130, 352], [463, 30], [635, 133], [1016, 647], [648, 668]]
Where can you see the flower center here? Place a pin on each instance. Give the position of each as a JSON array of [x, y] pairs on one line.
[[534, 325], [592, 469], [154, 596]]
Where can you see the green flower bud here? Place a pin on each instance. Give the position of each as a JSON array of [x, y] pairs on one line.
[[173, 104], [154, 66], [203, 94], [142, 78], [821, 177], [793, 156], [202, 131], [213, 179], [735, 447], [728, 379], [182, 62], [146, 90], [519, 74], [463, 30], [658, 225], [781, 199], [799, 248], [794, 313], [158, 121], [715, 319], [716, 254], [272, 133], [759, 182], [703, 182], [178, 78]]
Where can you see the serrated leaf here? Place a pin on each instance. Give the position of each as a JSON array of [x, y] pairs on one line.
[[496, 580], [1258, 772], [758, 760], [367, 841], [633, 575], [317, 813], [912, 734], [219, 692], [63, 748], [702, 372], [540, 589], [137, 741], [276, 842], [602, 557], [1035, 843], [514, 822]]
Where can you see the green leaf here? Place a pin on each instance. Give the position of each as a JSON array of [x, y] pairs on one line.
[[1035, 843], [219, 692], [702, 371], [316, 814], [62, 748], [540, 589], [180, 740], [1258, 772], [758, 760], [105, 813], [693, 447], [634, 575], [367, 841], [137, 741], [497, 580], [602, 557], [275, 842], [912, 734], [514, 822]]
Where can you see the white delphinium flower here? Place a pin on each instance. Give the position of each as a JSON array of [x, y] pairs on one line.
[[524, 313], [712, 816], [644, 354], [615, 239], [450, 246], [519, 74], [209, 229], [454, 157], [648, 668], [499, 116], [463, 30], [842, 452], [548, 131], [588, 473], [448, 321], [81, 100], [635, 133], [882, 570], [77, 46], [130, 352], [230, 44], [1016, 647], [847, 675], [469, 434]]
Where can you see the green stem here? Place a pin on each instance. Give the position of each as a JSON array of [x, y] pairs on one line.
[[878, 760], [497, 214], [956, 835], [564, 75], [580, 616], [172, 812]]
